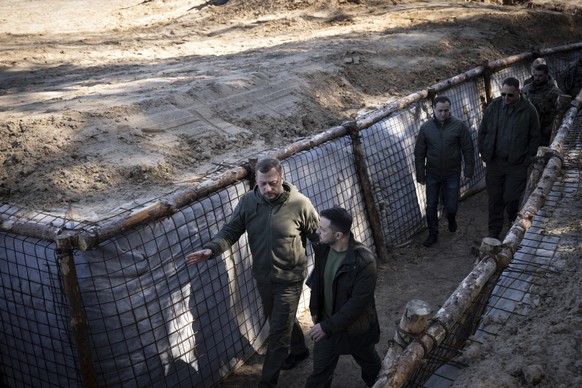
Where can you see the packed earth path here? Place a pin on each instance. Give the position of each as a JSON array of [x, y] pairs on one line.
[[107, 105]]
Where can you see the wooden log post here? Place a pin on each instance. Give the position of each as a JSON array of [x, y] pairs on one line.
[[488, 88], [543, 155], [412, 325], [79, 322], [366, 185], [562, 105], [489, 247]]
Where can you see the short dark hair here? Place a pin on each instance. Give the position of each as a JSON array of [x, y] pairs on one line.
[[441, 99], [266, 164], [511, 81], [543, 68], [340, 219]]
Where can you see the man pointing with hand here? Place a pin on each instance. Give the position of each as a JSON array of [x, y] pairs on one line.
[[278, 220]]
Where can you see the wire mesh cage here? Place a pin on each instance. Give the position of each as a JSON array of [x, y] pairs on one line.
[[154, 321]]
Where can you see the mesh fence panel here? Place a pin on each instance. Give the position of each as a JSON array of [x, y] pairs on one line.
[[154, 321], [511, 292], [389, 153], [327, 175], [36, 347]]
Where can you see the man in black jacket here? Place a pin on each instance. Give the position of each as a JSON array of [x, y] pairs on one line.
[[342, 302], [509, 136], [442, 144]]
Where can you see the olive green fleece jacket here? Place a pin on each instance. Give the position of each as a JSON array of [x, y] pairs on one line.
[[277, 233]]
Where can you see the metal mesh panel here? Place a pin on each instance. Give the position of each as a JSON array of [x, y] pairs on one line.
[[35, 345], [389, 148], [154, 321], [327, 175], [511, 292]]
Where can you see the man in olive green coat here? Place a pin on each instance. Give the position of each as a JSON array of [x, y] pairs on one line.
[[278, 220]]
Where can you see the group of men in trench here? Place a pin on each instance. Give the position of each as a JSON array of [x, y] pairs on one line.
[[279, 219], [514, 125]]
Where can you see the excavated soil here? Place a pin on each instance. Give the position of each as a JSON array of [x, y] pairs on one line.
[[107, 104]]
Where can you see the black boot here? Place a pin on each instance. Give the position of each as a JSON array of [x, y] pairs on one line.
[[430, 240], [452, 222], [432, 221]]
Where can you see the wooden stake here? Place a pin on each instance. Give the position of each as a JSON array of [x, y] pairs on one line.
[[413, 323], [79, 321], [489, 247], [451, 311]]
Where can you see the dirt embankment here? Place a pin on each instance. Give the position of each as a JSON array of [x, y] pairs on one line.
[[111, 105], [106, 105]]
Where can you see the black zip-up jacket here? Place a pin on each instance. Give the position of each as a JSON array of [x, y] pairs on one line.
[[439, 147], [526, 135], [354, 320]]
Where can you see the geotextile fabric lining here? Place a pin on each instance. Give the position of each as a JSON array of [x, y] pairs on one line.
[[153, 320]]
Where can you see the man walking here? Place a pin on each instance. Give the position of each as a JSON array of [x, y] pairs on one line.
[[509, 136], [534, 64], [543, 93], [278, 220], [342, 302], [440, 144]]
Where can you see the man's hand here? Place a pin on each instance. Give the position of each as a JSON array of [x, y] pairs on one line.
[[316, 333], [198, 256]]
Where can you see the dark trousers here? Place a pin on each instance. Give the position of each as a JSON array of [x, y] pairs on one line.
[[280, 301], [450, 185], [505, 185], [325, 358]]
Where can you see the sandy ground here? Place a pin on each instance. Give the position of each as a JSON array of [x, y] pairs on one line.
[[105, 104]]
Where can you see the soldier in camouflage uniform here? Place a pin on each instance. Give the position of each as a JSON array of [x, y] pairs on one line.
[[543, 93], [534, 64]]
